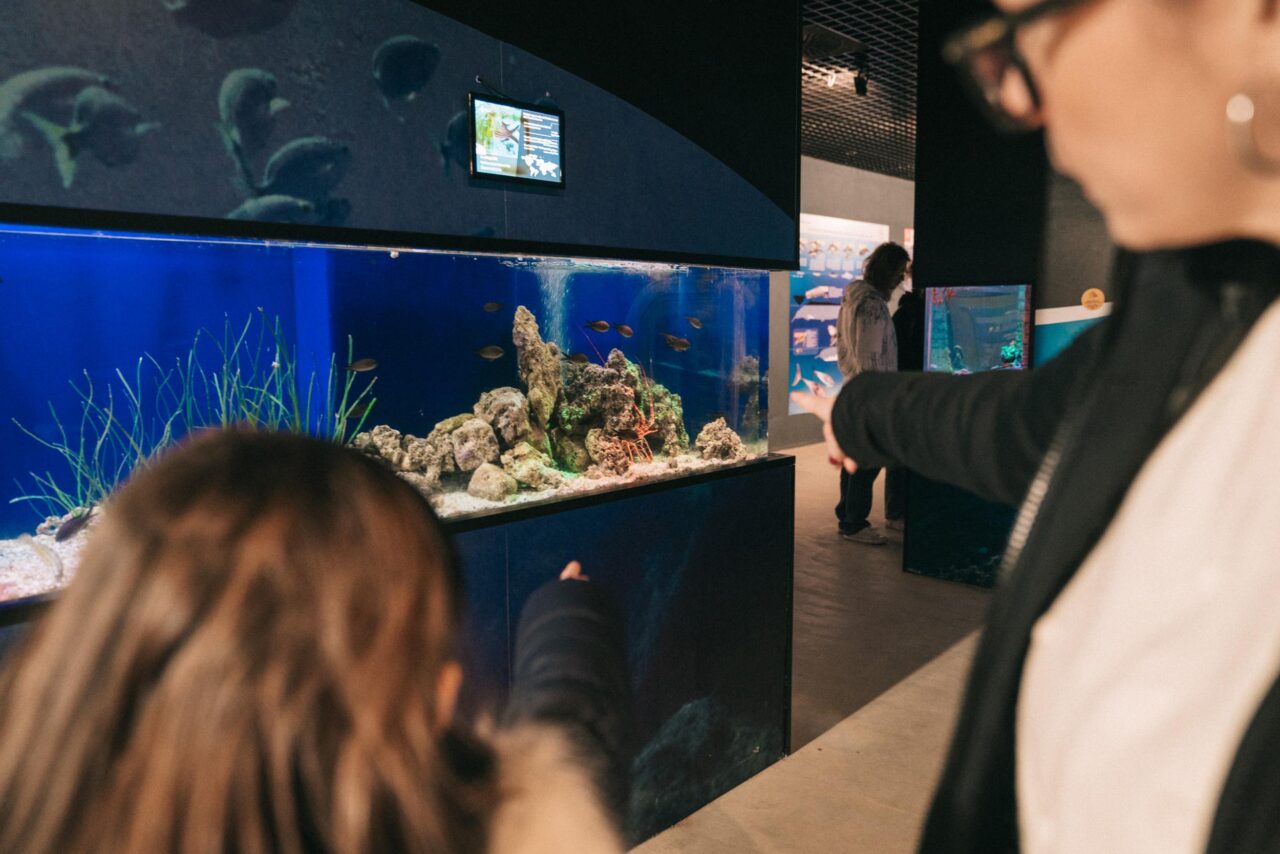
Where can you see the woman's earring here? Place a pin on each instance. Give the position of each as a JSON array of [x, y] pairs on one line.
[[1242, 114]]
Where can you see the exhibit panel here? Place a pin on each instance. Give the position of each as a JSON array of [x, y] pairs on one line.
[[951, 533], [487, 382], [832, 254]]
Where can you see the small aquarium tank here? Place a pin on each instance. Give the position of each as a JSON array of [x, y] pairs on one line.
[[977, 328], [485, 381], [951, 533]]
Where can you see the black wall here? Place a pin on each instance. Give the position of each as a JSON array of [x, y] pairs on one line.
[[980, 195], [720, 74]]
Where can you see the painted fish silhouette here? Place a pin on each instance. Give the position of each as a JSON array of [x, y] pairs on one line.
[[825, 379], [226, 18], [624, 330], [795, 382], [598, 325], [454, 149], [307, 168], [247, 108], [491, 353], [402, 65], [285, 209], [46, 92], [360, 366], [103, 124]]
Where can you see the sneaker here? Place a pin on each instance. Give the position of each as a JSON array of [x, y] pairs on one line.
[[895, 524], [868, 536]]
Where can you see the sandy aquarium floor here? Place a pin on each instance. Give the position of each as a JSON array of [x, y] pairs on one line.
[[33, 564]]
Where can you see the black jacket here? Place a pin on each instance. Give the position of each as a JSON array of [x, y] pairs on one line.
[[1070, 437]]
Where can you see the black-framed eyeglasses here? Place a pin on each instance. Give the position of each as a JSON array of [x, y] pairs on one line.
[[994, 69]]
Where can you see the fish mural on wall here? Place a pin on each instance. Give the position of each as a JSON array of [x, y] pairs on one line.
[[402, 66], [227, 18], [49, 93], [102, 124]]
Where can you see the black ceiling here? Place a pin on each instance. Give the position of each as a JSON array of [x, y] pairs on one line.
[[876, 132]]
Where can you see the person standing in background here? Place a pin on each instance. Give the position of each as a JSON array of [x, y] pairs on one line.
[[908, 326], [866, 342]]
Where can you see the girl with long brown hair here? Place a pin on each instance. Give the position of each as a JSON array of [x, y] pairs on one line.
[[259, 654]]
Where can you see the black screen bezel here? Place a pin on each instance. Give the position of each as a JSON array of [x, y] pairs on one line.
[[519, 105]]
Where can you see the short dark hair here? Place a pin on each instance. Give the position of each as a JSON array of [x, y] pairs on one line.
[[883, 264]]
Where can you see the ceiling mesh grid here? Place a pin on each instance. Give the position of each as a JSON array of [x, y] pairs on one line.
[[876, 132]]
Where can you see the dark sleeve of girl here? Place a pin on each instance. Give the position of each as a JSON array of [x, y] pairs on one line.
[[986, 433], [570, 671]]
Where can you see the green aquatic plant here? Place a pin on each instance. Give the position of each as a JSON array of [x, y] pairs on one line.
[[255, 382]]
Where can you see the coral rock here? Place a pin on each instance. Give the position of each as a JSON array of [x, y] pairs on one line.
[[450, 424], [571, 451], [492, 483], [539, 365], [717, 441], [420, 482], [384, 442], [607, 453], [507, 412], [532, 468], [474, 444]]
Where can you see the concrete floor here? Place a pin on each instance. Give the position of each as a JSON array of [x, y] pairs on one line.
[[879, 662], [862, 625]]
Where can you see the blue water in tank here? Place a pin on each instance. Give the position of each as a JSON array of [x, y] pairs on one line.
[[131, 330]]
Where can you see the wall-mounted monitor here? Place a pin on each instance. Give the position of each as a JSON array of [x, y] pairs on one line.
[[515, 141]]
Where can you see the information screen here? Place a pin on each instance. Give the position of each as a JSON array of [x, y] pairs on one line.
[[518, 142]]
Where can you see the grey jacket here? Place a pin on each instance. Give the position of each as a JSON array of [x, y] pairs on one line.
[[865, 340]]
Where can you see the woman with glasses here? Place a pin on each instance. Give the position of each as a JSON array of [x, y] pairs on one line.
[[1125, 696]]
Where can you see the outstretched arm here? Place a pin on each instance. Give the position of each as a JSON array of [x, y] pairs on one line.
[[985, 433]]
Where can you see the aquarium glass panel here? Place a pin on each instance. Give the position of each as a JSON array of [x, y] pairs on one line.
[[485, 381], [973, 329]]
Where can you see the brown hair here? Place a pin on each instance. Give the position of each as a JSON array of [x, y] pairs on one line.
[[247, 660], [883, 265]]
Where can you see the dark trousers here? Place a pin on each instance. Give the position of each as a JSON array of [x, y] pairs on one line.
[[855, 499], [895, 493]]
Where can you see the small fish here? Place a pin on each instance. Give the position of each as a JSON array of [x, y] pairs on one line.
[[694, 322], [247, 108], [72, 526], [359, 410], [795, 382], [492, 353], [825, 379], [491, 307], [624, 330], [276, 209], [47, 92], [402, 65], [454, 148], [580, 359], [598, 325], [675, 342], [359, 366], [306, 168], [102, 123], [863, 251]]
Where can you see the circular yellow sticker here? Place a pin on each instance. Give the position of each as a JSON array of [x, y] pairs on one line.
[[1093, 299]]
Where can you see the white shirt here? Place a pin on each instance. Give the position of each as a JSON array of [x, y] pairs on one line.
[[1144, 675]]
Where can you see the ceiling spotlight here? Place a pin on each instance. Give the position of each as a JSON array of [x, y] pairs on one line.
[[860, 83]]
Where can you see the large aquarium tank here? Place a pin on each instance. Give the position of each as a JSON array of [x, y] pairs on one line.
[[485, 381], [977, 328]]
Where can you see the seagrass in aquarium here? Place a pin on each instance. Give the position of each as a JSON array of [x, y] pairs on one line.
[[484, 381]]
